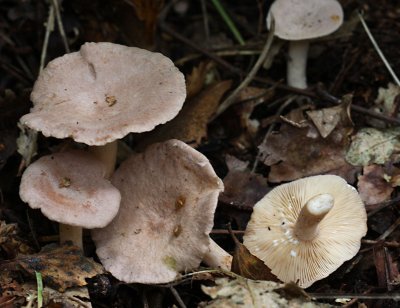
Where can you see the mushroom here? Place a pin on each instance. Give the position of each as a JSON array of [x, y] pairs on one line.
[[304, 230], [70, 188], [298, 21], [103, 92], [169, 195]]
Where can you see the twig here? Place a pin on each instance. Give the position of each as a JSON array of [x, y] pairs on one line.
[[389, 230], [392, 244], [223, 231], [228, 21], [205, 20], [383, 205], [208, 53], [49, 29], [280, 110], [393, 296], [60, 25], [177, 297], [378, 50], [231, 98]]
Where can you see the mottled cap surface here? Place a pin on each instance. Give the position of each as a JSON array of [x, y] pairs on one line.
[[103, 92], [70, 188], [270, 237], [169, 194], [305, 19]]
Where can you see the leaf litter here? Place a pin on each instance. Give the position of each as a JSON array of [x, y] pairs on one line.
[[314, 139]]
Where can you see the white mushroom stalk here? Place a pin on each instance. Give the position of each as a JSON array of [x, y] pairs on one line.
[[107, 154], [306, 226], [297, 64], [71, 234], [300, 21], [217, 257]]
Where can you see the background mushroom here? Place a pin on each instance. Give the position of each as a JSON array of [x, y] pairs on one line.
[[298, 21], [70, 188], [103, 92], [306, 229], [169, 195]]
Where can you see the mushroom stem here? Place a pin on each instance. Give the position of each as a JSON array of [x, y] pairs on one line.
[[107, 154], [72, 234], [306, 227], [217, 257], [297, 63]]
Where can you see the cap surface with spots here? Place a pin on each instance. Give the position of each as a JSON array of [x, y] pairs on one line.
[[70, 188], [103, 92], [169, 195]]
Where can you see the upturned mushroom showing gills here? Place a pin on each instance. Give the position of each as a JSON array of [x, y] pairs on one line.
[[70, 188], [169, 195], [299, 21], [103, 92], [304, 230]]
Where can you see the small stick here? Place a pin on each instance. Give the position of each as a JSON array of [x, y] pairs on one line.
[[378, 50], [177, 297], [231, 98], [60, 25]]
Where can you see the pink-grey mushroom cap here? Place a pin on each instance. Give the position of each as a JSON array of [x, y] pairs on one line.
[[70, 188], [103, 92], [305, 19], [169, 194], [270, 232]]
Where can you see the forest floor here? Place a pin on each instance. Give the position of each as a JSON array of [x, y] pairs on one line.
[[268, 135]]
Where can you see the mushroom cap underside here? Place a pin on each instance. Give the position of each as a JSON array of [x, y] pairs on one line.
[[270, 237]]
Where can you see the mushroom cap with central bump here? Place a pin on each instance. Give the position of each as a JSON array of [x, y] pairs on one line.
[[336, 209], [70, 188], [169, 195], [103, 92], [305, 19]]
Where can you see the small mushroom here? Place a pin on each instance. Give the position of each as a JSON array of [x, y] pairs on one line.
[[169, 195], [70, 188], [103, 92], [304, 230], [298, 21]]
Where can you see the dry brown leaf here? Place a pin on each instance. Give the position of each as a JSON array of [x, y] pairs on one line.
[[61, 267], [249, 266], [10, 242], [327, 119], [196, 80], [242, 187], [372, 185], [295, 152], [190, 125]]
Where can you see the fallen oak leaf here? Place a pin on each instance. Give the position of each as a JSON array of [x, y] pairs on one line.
[[61, 267], [249, 266]]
